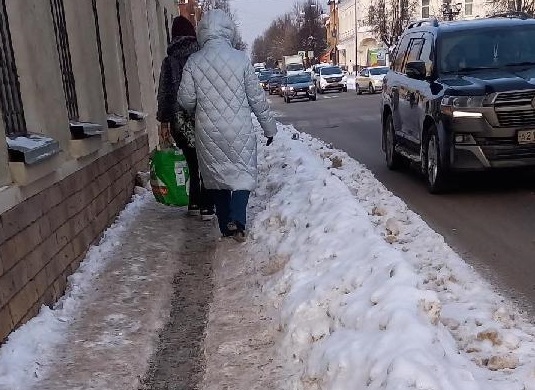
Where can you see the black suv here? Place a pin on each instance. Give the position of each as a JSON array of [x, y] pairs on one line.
[[461, 96]]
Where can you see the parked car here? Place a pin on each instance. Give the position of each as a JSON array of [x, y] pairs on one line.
[[299, 86], [370, 79], [274, 84], [330, 77], [461, 96]]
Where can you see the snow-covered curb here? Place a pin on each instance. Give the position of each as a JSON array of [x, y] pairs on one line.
[[370, 295], [21, 357]]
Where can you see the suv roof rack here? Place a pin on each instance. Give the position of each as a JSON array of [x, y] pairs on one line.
[[417, 23], [512, 15]]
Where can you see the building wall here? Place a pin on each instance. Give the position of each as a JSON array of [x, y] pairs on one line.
[[52, 210], [355, 49], [347, 39], [190, 9]]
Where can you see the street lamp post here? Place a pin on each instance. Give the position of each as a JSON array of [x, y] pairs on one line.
[[356, 65]]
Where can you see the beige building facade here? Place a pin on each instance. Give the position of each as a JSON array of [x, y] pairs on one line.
[[78, 83], [356, 39]]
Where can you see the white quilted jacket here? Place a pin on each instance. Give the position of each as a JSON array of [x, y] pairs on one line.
[[220, 86]]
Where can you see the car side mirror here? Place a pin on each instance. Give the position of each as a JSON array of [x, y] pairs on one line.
[[416, 70]]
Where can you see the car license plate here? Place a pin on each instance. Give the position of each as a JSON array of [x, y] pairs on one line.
[[526, 136]]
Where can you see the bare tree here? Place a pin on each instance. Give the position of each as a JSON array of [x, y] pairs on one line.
[[388, 18], [224, 5], [298, 30], [311, 31], [526, 6]]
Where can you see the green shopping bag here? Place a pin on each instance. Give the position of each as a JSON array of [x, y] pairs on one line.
[[169, 177]]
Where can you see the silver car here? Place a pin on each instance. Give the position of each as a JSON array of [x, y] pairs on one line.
[[370, 79]]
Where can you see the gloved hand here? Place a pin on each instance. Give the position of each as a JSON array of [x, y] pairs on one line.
[[269, 141]]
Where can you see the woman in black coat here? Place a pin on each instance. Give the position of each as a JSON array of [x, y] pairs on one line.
[[174, 119]]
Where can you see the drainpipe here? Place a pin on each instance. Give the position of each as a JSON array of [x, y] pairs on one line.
[[356, 38]]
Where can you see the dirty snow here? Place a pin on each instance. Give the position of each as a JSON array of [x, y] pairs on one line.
[[366, 294], [370, 296]]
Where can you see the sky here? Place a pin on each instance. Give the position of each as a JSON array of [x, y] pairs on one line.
[[255, 16], [368, 295]]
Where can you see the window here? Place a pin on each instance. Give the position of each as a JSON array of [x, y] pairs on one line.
[[425, 8], [123, 57], [401, 51], [10, 99], [468, 7], [486, 48], [62, 44], [415, 50], [100, 60], [331, 70], [427, 53], [379, 71]]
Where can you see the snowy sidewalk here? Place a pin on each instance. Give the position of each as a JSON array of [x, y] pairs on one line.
[[104, 330], [339, 286]]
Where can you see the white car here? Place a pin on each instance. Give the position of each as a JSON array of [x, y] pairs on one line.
[[330, 77], [370, 79], [316, 69]]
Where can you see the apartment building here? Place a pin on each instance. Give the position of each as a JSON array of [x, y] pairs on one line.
[[355, 40], [191, 10], [78, 83]]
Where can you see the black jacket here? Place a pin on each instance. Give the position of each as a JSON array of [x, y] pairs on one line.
[[178, 53]]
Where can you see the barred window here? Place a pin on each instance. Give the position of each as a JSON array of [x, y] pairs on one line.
[[123, 57], [468, 7], [10, 98], [100, 60], [425, 8], [62, 44]]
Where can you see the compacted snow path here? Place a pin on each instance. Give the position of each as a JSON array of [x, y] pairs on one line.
[[243, 338]]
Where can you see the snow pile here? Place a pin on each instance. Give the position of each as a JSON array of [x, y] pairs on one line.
[[370, 296], [31, 346]]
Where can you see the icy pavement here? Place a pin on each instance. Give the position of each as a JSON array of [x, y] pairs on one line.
[[102, 332]]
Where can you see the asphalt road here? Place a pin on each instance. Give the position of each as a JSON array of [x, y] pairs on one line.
[[489, 219]]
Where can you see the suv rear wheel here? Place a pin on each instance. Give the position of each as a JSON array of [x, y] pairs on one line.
[[393, 158], [435, 172]]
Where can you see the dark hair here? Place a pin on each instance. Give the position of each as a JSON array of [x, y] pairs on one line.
[[182, 27]]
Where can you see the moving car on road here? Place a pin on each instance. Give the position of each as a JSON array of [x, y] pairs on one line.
[[461, 96], [330, 77], [263, 77], [274, 84], [370, 79], [282, 87], [299, 86]]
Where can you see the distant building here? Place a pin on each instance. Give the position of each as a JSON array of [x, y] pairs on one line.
[[331, 27], [355, 41], [190, 9]]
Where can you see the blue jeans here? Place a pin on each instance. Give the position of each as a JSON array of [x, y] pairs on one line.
[[230, 206]]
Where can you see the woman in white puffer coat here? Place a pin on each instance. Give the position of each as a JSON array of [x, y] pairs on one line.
[[220, 86]]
